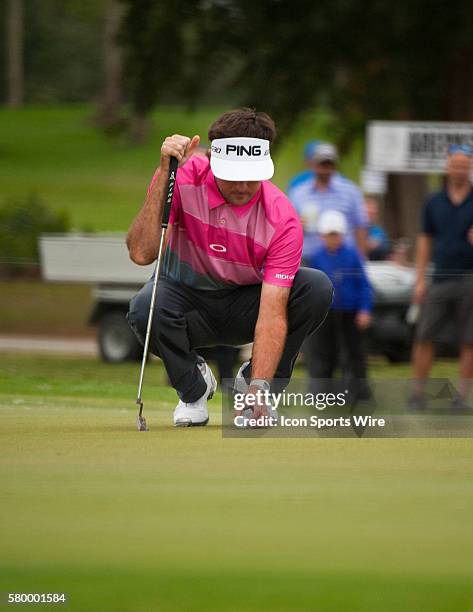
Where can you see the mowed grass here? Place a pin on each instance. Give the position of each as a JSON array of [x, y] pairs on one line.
[[101, 180], [183, 519]]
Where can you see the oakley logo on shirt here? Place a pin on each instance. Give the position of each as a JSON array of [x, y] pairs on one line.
[[218, 247]]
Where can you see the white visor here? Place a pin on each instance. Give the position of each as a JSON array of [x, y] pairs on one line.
[[241, 159]]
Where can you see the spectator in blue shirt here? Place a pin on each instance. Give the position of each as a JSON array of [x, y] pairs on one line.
[[329, 190], [342, 331], [377, 243], [446, 241]]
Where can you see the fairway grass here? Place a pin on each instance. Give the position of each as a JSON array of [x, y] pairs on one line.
[[182, 519]]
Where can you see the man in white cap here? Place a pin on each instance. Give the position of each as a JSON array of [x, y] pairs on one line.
[[231, 272], [329, 190]]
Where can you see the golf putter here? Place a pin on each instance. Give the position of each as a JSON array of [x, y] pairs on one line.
[[140, 419]]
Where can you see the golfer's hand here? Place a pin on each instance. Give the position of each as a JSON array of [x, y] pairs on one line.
[[180, 147], [253, 407], [363, 320], [260, 408]]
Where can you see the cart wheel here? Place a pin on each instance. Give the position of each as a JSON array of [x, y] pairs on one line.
[[117, 342]]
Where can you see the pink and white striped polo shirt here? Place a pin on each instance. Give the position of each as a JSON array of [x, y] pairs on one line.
[[216, 245]]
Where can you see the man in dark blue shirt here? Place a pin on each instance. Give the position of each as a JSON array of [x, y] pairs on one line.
[[446, 240]]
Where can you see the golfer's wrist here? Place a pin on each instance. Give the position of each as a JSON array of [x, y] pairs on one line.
[[164, 164]]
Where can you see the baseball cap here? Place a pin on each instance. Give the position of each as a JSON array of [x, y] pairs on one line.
[[309, 148], [325, 152], [332, 221], [241, 159], [460, 148]]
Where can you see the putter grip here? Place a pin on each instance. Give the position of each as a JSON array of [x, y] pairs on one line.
[[169, 192]]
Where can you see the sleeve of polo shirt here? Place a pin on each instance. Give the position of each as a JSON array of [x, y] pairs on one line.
[[176, 197], [284, 254]]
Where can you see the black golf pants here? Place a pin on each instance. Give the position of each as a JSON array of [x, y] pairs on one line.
[[187, 319]]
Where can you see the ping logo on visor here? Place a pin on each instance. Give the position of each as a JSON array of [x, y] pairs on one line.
[[241, 159]]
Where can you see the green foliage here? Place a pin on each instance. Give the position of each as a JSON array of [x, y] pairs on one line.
[[21, 223], [62, 50], [364, 60], [179, 52], [153, 43]]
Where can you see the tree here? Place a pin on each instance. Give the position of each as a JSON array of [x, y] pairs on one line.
[[62, 50], [421, 68], [152, 38], [365, 60], [175, 51], [111, 98], [370, 60], [14, 27]]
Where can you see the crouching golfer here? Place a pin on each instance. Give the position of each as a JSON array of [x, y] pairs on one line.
[[230, 272]]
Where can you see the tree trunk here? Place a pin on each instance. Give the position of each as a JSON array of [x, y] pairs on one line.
[[140, 128], [403, 205], [111, 100], [14, 24]]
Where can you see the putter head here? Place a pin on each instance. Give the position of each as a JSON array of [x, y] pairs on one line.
[[140, 419], [141, 423]]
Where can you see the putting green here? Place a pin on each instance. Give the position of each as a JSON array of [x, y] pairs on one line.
[[182, 519]]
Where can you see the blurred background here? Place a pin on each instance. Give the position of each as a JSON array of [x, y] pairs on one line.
[[91, 88]]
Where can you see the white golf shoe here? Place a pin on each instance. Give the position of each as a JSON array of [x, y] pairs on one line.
[[193, 414]]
